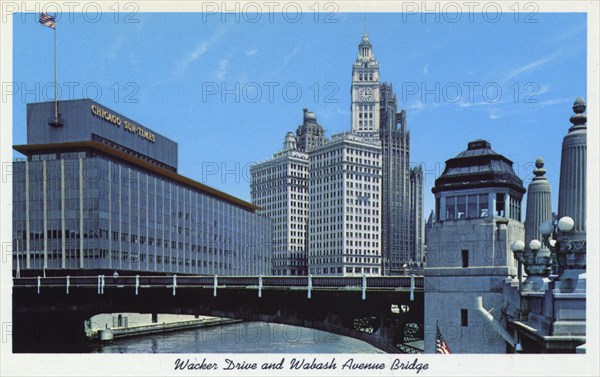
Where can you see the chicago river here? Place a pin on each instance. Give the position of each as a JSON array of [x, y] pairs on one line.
[[244, 337]]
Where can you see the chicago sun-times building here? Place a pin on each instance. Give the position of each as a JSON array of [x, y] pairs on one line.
[[101, 192]]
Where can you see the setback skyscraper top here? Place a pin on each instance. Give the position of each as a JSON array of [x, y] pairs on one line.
[[365, 201]]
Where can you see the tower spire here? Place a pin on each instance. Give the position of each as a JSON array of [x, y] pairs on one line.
[[572, 201], [539, 206], [365, 87]]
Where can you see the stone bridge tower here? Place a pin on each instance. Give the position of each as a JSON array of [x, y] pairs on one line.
[[478, 216]]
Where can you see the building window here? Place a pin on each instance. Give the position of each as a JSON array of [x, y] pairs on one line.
[[450, 208], [464, 317], [500, 204], [515, 208], [461, 207], [465, 207], [465, 258], [483, 206], [472, 207]]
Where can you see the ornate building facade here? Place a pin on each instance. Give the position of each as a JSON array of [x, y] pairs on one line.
[[309, 134], [345, 207], [365, 201], [365, 89], [280, 188]]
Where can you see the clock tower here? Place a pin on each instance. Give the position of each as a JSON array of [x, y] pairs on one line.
[[365, 89]]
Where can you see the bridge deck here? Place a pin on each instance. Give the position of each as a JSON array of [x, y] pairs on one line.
[[403, 283]]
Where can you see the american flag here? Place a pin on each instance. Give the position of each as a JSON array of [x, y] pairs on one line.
[[440, 343], [47, 20]]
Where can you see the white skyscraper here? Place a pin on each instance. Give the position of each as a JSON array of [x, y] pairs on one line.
[[279, 187], [365, 201], [345, 207]]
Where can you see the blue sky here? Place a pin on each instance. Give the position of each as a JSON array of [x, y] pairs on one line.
[[512, 83]]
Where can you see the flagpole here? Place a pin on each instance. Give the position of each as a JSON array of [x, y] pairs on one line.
[[55, 82]]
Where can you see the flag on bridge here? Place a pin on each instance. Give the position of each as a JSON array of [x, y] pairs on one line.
[[440, 343], [47, 20]]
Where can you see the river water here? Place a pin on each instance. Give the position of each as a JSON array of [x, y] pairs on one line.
[[243, 337]]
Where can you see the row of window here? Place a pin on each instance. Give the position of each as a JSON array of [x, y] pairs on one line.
[[199, 210], [467, 207], [476, 206], [366, 75], [348, 270], [347, 151]]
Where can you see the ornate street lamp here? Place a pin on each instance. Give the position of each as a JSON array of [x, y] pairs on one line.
[[547, 229], [537, 262], [569, 250]]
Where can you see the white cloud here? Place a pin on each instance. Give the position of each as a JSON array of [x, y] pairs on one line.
[[201, 48], [480, 103], [426, 69], [555, 101], [416, 106], [543, 89], [534, 65], [250, 52], [494, 115]]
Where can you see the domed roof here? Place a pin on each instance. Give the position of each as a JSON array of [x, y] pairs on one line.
[[289, 142], [309, 116], [478, 167], [365, 40]]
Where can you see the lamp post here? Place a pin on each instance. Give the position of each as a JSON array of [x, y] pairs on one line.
[[537, 262], [546, 229], [569, 250]]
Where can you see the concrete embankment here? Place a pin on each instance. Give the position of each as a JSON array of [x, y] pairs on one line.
[[156, 328]]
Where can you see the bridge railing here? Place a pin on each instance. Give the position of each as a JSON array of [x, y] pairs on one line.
[[389, 281], [374, 282], [285, 281], [195, 280], [152, 280], [24, 281], [337, 281], [241, 281]]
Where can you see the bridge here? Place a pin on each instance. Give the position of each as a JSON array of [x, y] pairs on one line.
[[386, 312]]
